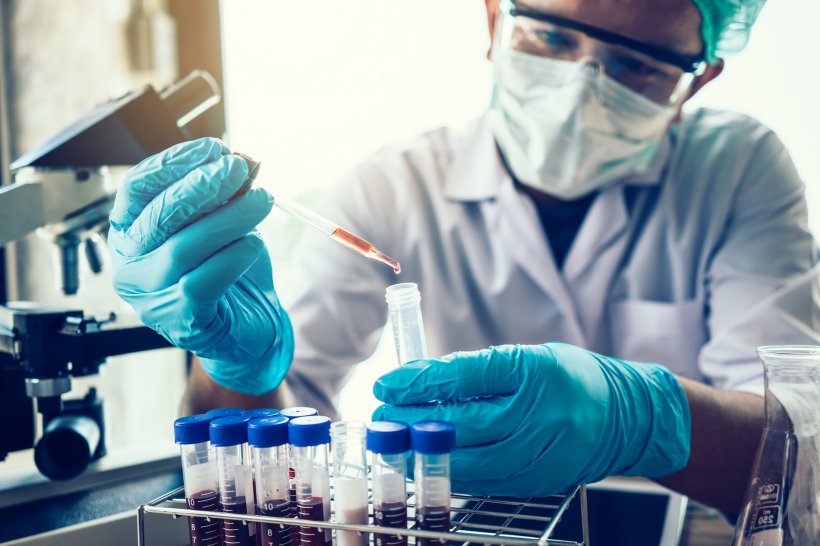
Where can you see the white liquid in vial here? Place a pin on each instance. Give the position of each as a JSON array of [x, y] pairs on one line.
[[389, 488], [350, 497]]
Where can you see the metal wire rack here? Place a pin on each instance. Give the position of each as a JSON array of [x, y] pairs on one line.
[[473, 520]]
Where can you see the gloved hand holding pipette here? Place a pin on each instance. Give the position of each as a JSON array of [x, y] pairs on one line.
[[193, 267], [187, 258]]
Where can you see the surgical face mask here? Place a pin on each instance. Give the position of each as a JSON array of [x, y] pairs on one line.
[[566, 129]]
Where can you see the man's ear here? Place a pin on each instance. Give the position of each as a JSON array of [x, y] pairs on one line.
[[712, 71], [492, 13]]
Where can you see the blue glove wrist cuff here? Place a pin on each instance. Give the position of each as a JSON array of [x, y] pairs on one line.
[[667, 445], [261, 376]]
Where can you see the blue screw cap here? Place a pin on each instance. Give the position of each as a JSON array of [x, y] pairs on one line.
[[224, 412], [309, 431], [433, 437], [192, 429], [299, 411], [268, 431], [229, 431], [262, 412], [388, 437]]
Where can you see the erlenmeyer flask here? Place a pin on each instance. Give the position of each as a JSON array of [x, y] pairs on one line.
[[783, 502]]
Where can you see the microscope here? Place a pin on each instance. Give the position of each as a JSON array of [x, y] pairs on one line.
[[63, 189]]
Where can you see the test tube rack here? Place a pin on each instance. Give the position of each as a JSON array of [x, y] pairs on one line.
[[473, 520]]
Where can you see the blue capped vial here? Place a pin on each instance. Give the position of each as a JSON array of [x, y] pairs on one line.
[[389, 441], [432, 443], [309, 439], [262, 412], [268, 440], [224, 412], [229, 437], [199, 477]]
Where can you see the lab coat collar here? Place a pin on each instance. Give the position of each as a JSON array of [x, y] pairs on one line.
[[653, 174], [477, 172]]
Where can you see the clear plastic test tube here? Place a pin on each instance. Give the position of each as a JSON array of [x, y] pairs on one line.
[[309, 438], [349, 480], [432, 443], [229, 436], [389, 441], [257, 414], [293, 413], [268, 440], [404, 307], [199, 477]]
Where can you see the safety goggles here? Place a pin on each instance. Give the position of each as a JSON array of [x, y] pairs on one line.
[[661, 75]]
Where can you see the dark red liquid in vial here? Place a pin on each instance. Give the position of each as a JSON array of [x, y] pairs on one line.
[[235, 533], [204, 532], [390, 514], [294, 510], [274, 534], [313, 510], [433, 518]]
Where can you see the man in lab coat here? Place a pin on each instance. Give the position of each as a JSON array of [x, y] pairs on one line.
[[582, 213]]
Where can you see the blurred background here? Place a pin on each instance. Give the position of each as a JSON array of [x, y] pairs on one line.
[[310, 89], [314, 90]]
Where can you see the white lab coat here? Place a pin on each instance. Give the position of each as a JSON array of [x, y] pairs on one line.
[[665, 266]]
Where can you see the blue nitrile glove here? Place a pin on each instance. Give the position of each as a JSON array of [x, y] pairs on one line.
[[193, 267], [535, 420]]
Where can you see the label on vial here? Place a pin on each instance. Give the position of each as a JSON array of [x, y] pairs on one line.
[[767, 517], [768, 494]]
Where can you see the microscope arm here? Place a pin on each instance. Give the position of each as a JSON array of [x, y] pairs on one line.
[[7, 340], [119, 341], [37, 199], [21, 211], [53, 342]]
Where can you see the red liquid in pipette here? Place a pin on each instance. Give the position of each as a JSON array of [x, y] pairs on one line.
[[202, 531], [364, 248]]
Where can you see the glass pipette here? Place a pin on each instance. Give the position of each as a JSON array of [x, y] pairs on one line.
[[312, 219], [338, 234]]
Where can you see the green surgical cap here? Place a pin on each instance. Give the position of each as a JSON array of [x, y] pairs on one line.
[[726, 25]]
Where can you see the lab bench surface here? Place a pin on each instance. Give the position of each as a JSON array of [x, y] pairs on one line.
[[32, 506], [705, 527]]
